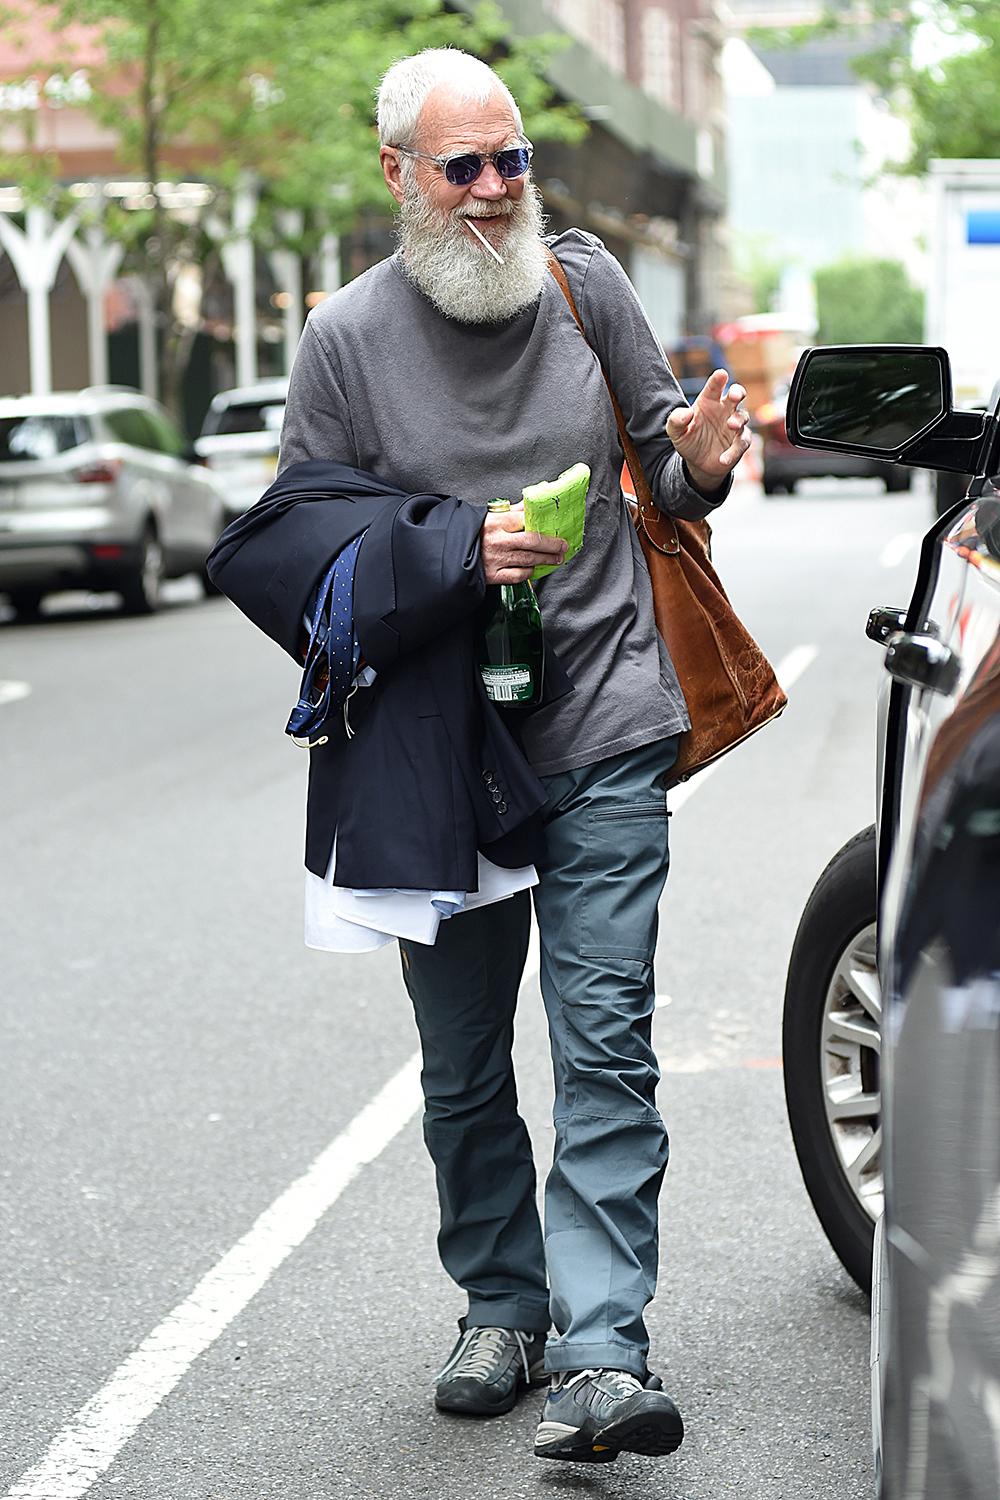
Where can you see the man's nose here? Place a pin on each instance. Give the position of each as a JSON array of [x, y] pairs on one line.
[[489, 183]]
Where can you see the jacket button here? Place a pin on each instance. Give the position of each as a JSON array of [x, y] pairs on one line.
[[501, 808], [488, 777], [497, 794]]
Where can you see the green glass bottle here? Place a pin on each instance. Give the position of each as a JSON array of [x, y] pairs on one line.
[[509, 642]]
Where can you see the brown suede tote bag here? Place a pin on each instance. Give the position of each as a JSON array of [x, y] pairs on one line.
[[728, 684]]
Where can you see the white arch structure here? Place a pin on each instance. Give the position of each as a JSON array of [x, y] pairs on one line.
[[37, 250]]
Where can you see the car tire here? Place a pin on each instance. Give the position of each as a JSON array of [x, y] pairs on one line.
[[831, 1040], [27, 602], [898, 480], [140, 587], [770, 486]]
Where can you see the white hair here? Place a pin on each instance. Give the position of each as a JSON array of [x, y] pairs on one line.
[[405, 88]]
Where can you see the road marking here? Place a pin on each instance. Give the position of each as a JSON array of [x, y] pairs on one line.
[[91, 1441], [897, 549], [791, 667], [788, 671], [11, 691]]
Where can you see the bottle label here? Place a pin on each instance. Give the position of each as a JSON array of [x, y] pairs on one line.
[[507, 684]]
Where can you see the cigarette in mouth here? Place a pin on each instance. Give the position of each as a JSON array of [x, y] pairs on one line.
[[484, 241]]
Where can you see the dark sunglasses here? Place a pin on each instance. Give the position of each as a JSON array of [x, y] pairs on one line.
[[462, 169]]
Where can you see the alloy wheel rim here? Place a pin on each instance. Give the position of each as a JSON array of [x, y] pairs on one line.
[[850, 1052]]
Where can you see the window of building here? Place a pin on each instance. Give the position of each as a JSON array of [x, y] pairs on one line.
[[660, 56]]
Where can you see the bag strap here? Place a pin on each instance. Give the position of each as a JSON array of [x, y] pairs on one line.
[[659, 528]]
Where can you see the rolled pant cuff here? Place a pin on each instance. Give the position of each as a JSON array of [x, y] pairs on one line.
[[526, 1318], [559, 1357]]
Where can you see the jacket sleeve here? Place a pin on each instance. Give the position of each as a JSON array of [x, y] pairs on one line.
[[269, 560], [419, 572]]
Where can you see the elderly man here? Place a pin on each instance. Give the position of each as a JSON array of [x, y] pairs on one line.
[[457, 368]]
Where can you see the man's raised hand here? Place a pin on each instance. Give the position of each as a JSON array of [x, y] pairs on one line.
[[711, 435]]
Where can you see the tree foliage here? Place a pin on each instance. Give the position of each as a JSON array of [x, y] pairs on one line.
[[760, 266], [280, 92], [282, 88], [863, 300], [952, 104]]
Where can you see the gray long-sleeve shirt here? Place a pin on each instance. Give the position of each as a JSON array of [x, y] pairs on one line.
[[384, 381]]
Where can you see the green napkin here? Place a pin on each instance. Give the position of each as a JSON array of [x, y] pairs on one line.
[[557, 508]]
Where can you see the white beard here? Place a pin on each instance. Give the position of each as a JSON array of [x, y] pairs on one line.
[[457, 273]]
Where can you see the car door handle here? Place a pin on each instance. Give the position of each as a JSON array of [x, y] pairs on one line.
[[922, 662], [884, 622]]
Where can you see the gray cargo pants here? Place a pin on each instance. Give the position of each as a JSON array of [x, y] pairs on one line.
[[596, 902]]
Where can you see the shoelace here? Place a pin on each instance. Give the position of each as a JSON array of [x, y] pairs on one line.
[[624, 1383], [479, 1348]]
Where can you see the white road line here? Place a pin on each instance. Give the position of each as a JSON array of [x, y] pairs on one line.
[[90, 1442], [788, 670], [791, 667], [11, 691], [897, 548], [678, 795]]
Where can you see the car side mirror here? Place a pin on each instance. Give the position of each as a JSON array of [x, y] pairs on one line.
[[887, 401]]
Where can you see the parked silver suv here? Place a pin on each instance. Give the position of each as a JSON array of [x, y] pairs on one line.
[[99, 490]]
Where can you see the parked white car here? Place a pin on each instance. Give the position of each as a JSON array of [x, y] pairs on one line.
[[99, 489], [239, 441]]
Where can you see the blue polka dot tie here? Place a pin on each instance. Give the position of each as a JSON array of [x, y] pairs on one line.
[[333, 653]]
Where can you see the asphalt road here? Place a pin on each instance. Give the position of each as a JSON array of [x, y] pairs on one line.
[[172, 1059]]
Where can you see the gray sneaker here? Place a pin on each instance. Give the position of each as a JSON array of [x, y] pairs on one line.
[[590, 1416], [486, 1368]]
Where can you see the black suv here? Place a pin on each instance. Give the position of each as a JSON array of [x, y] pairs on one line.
[[892, 1007]]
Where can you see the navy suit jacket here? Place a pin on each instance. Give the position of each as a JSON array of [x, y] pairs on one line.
[[411, 797]]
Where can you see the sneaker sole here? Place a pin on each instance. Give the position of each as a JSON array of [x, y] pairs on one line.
[[556, 1440], [654, 1439]]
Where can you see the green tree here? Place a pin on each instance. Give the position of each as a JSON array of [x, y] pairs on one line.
[[282, 90], [952, 105], [756, 262], [862, 300]]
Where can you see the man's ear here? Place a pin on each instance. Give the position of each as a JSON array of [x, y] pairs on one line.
[[391, 171]]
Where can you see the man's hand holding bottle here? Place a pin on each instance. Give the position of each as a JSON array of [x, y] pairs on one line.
[[511, 554]]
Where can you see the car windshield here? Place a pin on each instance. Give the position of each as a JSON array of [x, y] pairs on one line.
[[247, 416], [38, 437]]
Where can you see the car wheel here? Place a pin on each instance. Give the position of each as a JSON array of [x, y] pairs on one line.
[[831, 1044], [27, 602], [770, 486], [897, 480], [140, 588]]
